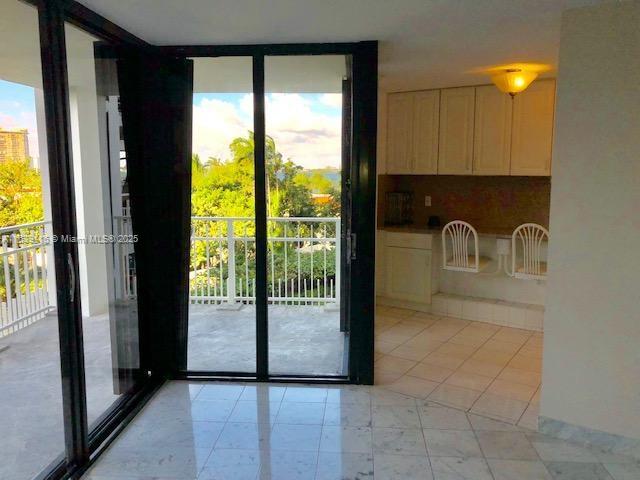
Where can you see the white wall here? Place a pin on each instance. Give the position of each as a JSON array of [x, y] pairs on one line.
[[591, 374], [43, 160], [89, 181]]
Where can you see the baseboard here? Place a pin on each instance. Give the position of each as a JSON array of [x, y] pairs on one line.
[[390, 302], [609, 442], [507, 314]]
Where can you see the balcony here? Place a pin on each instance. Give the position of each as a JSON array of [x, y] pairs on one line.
[[304, 321], [303, 266]]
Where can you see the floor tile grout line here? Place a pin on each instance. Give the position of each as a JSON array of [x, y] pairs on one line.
[[484, 457], [503, 369], [538, 455], [317, 463], [424, 439], [499, 373], [477, 348], [373, 453]]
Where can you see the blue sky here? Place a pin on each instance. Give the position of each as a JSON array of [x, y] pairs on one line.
[[18, 110]]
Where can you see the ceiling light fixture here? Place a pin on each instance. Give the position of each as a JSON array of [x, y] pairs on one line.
[[513, 80]]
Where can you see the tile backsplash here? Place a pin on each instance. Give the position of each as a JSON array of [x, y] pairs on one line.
[[488, 203]]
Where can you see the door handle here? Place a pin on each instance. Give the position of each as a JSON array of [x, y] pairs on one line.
[[352, 249], [72, 278]]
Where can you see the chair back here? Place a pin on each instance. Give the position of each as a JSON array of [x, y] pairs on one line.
[[530, 237], [456, 254]]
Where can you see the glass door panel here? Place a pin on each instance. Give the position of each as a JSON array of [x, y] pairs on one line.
[[31, 422], [222, 314], [304, 148], [106, 242]]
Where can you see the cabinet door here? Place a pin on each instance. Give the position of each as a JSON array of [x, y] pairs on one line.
[[455, 153], [426, 117], [533, 129], [408, 272], [399, 132], [492, 132]]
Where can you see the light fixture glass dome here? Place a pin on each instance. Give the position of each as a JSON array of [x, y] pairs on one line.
[[513, 80]]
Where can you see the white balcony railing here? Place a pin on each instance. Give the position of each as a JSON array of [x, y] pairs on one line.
[[303, 260], [24, 279], [303, 265]]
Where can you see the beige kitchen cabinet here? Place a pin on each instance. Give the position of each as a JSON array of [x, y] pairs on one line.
[[407, 267], [426, 117], [412, 132], [408, 274], [492, 132], [399, 132], [455, 150], [471, 131], [532, 133]]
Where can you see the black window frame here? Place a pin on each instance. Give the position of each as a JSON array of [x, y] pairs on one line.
[[359, 347]]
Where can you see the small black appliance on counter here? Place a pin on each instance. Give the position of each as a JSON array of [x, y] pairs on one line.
[[398, 208]]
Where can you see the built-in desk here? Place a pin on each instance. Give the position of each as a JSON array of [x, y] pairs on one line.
[[409, 274], [493, 232]]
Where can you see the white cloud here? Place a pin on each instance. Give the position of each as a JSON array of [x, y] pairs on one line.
[[308, 138], [215, 125], [333, 100]]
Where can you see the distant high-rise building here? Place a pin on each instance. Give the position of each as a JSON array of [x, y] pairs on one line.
[[14, 144]]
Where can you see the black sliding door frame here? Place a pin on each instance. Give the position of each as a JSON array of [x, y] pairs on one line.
[[361, 130], [260, 182], [81, 443], [56, 96]]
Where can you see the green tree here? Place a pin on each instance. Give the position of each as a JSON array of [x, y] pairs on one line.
[[226, 189], [20, 193]]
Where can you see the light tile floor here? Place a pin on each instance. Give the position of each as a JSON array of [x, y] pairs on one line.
[[223, 431], [477, 367]]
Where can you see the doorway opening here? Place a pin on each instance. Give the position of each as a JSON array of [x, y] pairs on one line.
[[305, 117]]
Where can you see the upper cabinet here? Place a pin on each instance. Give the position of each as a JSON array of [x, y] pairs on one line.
[[455, 153], [426, 115], [471, 131], [412, 132], [399, 133], [533, 129], [492, 132]]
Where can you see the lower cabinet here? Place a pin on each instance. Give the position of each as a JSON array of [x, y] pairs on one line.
[[408, 274]]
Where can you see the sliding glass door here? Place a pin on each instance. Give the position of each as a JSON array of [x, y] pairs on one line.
[[222, 268], [106, 240], [31, 399], [303, 154], [70, 346], [267, 278]]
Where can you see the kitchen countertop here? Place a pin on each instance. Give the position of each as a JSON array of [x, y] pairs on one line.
[[490, 232]]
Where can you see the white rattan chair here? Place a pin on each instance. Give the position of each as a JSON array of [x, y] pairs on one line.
[[530, 237], [457, 238]]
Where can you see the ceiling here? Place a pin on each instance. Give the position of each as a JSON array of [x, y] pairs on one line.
[[423, 43]]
